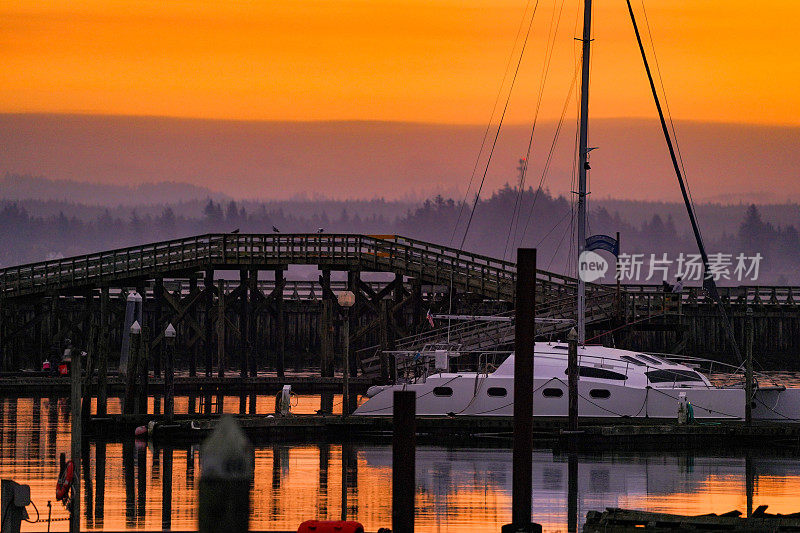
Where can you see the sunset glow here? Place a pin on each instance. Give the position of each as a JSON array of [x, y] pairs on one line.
[[415, 60]]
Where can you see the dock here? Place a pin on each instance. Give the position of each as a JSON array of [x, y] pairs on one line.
[[594, 434]]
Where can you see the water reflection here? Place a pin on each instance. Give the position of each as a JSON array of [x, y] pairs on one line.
[[133, 486]]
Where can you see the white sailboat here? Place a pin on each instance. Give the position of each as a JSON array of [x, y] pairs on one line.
[[613, 383]]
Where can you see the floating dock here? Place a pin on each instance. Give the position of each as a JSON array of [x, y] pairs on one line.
[[597, 434]]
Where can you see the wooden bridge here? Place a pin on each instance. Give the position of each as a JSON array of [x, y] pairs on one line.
[[229, 297]]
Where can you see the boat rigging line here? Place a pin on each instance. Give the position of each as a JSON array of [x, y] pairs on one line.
[[491, 119], [499, 126], [708, 281], [555, 23]]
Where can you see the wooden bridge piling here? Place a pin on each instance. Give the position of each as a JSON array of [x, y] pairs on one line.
[[102, 354], [264, 322]]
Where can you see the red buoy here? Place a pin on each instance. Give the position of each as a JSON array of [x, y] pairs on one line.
[[65, 481], [330, 526]]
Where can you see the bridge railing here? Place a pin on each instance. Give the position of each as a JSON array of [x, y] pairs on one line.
[[431, 263], [767, 294]]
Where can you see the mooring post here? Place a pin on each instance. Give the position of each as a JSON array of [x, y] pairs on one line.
[[75, 450], [572, 372], [130, 377], [749, 482], [404, 443], [169, 373], [227, 465], [524, 326], [748, 386], [572, 491], [144, 362], [102, 355]]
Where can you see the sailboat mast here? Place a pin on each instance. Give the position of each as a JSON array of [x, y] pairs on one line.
[[583, 164]]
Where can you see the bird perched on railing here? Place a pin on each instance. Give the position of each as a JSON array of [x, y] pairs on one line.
[[320, 230], [275, 230]]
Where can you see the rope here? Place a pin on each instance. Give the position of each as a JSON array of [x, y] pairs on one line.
[[499, 127], [37, 514], [700, 406]]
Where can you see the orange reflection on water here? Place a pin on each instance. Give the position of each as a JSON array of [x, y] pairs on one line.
[[457, 489]]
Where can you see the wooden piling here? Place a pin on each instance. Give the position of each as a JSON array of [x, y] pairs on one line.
[[244, 325], [346, 365], [158, 301], [524, 326], [572, 372], [3, 362], [404, 442], [193, 315], [252, 334], [280, 361], [748, 346], [326, 338], [102, 355], [169, 373], [353, 279], [129, 399], [208, 322], [143, 366], [91, 357], [384, 319], [572, 491], [75, 438], [221, 328]]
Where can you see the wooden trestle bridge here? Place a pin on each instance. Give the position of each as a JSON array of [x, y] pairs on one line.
[[235, 309]]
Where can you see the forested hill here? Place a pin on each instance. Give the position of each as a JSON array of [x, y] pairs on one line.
[[32, 230]]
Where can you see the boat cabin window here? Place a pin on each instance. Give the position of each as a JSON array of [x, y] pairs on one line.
[[602, 373], [561, 347], [651, 360], [600, 393], [672, 376], [442, 391], [552, 393], [633, 360], [496, 391]]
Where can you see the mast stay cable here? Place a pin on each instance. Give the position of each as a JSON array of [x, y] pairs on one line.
[[708, 279]]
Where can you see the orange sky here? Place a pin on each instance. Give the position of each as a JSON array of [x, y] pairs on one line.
[[418, 60]]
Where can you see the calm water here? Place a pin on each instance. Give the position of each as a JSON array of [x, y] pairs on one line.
[[458, 489]]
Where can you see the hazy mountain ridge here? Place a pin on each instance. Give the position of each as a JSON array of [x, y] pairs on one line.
[[396, 160], [26, 187]]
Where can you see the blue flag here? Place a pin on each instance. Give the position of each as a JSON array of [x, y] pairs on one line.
[[603, 242]]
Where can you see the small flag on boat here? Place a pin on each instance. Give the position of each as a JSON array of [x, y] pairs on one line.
[[429, 316], [602, 242]]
